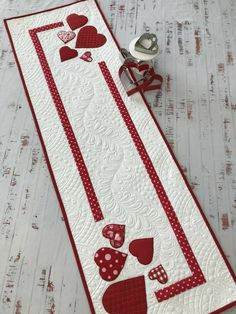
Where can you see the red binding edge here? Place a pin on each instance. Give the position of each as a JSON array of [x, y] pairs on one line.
[[53, 178]]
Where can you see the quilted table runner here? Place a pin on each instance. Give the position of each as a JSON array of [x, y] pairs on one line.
[[141, 241]]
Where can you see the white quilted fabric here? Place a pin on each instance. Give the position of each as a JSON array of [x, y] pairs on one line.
[[122, 185]]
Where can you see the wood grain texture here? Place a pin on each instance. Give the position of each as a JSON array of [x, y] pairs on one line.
[[196, 110]]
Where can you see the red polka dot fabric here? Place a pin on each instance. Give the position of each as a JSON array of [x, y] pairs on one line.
[[110, 262]]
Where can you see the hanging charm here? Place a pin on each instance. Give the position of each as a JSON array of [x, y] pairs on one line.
[[138, 75]]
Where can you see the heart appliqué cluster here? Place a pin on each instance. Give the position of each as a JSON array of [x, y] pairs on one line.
[[111, 261], [87, 37]]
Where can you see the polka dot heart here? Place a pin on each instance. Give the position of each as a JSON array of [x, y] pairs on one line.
[[110, 263]]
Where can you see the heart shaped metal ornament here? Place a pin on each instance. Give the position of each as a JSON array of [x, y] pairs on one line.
[[139, 77], [147, 43]]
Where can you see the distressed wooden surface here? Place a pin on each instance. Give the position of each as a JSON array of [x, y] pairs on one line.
[[196, 110]]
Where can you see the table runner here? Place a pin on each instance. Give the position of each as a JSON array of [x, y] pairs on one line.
[[140, 239]]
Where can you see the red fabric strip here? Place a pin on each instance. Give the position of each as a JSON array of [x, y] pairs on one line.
[[197, 278], [74, 146]]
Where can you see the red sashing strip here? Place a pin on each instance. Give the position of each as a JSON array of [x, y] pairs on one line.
[[197, 277], [83, 171]]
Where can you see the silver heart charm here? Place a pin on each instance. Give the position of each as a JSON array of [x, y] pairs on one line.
[[147, 43]]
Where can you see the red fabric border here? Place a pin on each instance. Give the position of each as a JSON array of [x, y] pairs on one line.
[[53, 178], [197, 277], [72, 141]]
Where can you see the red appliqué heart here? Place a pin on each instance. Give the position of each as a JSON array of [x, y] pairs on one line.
[[66, 36], [87, 56], [66, 53], [75, 21], [158, 273], [116, 234], [126, 297], [88, 37], [110, 263], [142, 249]]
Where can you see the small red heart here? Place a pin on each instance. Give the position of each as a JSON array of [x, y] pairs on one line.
[[75, 21], [66, 53], [87, 56], [66, 36], [158, 273], [110, 263], [116, 234], [142, 249], [88, 37], [126, 297]]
